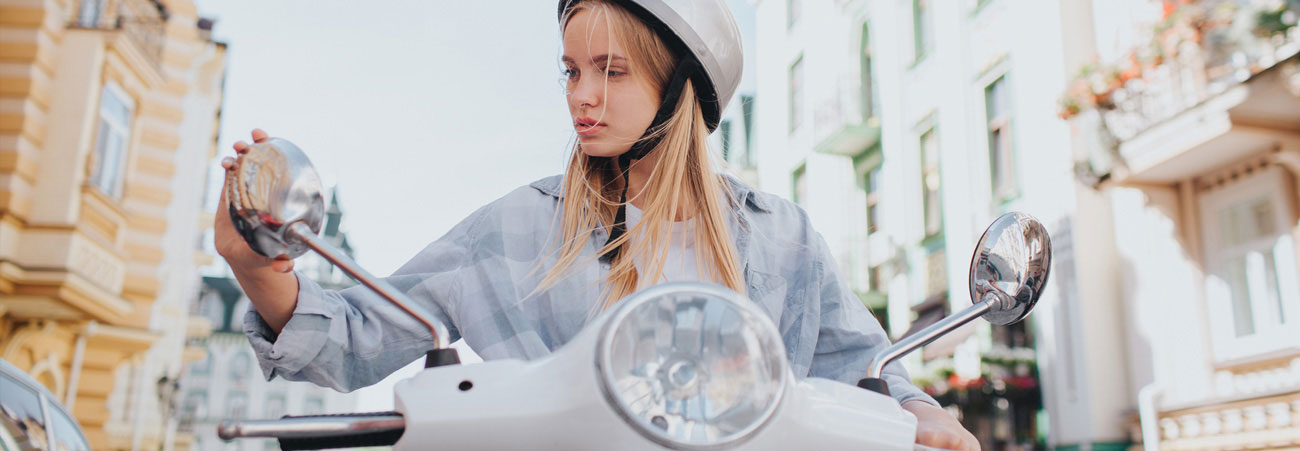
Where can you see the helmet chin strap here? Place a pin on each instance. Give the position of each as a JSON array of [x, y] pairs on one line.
[[646, 143]]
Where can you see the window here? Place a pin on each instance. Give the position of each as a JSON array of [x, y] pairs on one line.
[[240, 366], [202, 367], [275, 406], [88, 14], [212, 307], [878, 281], [747, 113], [922, 34], [313, 406], [872, 184], [882, 316], [792, 12], [800, 188], [112, 139], [931, 201], [195, 407], [936, 272], [1002, 173], [724, 132], [236, 405], [796, 93], [869, 98], [1251, 278]]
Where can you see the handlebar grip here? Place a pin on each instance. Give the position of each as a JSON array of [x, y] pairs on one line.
[[384, 438], [347, 430]]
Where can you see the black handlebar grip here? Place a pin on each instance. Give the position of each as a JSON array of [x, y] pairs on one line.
[[441, 357], [387, 437], [875, 385]]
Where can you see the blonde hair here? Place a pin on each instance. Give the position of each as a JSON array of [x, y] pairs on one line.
[[682, 183]]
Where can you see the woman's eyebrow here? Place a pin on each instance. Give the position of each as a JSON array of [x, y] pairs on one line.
[[597, 59]]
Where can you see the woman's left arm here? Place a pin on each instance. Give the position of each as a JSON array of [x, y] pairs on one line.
[[849, 337]]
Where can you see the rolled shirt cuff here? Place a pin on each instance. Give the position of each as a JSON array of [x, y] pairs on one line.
[[301, 339]]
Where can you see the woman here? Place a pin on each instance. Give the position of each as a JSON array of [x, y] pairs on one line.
[[638, 204]]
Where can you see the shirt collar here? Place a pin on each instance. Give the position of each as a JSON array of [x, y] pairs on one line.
[[554, 186]]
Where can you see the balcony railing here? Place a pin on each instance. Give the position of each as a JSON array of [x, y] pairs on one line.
[[839, 109], [843, 122], [1197, 51], [143, 22]]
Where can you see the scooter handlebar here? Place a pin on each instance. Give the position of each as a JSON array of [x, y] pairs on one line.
[[322, 431]]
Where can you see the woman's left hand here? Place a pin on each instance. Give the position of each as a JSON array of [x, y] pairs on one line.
[[937, 428]]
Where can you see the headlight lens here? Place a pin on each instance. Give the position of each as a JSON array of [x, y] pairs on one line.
[[692, 365]]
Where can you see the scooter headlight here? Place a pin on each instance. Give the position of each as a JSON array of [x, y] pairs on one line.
[[692, 365]]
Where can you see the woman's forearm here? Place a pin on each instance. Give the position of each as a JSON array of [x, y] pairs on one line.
[[274, 294]]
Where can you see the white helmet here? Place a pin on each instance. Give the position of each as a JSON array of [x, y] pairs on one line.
[[708, 30]]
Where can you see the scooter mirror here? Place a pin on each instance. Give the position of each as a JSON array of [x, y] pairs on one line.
[[1010, 265], [270, 188], [276, 205], [1007, 274]]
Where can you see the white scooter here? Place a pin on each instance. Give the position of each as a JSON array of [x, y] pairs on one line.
[[680, 366]]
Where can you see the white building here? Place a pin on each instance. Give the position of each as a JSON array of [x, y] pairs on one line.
[[904, 127], [228, 383], [1199, 159]]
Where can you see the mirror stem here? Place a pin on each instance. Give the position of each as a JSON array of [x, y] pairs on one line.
[[873, 380], [301, 231]]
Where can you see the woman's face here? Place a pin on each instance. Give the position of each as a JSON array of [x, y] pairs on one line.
[[610, 103]]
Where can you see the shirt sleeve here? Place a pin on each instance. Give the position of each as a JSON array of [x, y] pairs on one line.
[[352, 338], [849, 336]]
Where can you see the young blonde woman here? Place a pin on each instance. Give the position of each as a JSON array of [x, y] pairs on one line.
[[639, 204]]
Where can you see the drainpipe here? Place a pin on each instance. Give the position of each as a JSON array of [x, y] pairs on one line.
[[1149, 417], [78, 356]]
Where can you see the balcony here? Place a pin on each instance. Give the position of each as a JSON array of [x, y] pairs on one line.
[[142, 24], [1205, 88], [843, 122]]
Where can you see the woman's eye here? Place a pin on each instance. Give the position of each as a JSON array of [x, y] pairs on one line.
[[569, 73], [613, 73]]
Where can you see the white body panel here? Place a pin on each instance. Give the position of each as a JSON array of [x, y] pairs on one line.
[[556, 403]]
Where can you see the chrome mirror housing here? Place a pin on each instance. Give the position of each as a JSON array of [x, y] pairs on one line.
[[1010, 266], [275, 201], [270, 188], [1007, 275]]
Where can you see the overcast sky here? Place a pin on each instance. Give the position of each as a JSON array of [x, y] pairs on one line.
[[419, 111]]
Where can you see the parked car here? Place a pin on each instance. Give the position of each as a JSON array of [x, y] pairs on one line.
[[31, 417]]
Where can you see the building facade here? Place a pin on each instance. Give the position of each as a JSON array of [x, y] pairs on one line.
[[108, 119], [904, 128], [227, 383], [1189, 121]]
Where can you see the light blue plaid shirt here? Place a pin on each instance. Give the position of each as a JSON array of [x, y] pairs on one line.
[[477, 279]]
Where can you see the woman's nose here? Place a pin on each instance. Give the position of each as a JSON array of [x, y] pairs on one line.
[[586, 91]]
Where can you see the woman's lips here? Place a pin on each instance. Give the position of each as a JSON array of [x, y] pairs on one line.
[[588, 130]]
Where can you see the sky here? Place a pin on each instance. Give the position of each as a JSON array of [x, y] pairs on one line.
[[419, 112]]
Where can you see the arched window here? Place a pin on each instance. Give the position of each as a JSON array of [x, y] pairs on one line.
[[237, 314], [211, 307]]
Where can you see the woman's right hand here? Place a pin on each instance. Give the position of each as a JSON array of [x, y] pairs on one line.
[[229, 243]]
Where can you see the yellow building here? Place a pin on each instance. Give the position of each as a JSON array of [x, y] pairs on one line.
[[108, 121]]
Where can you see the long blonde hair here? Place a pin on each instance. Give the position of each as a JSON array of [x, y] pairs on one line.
[[682, 183]]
